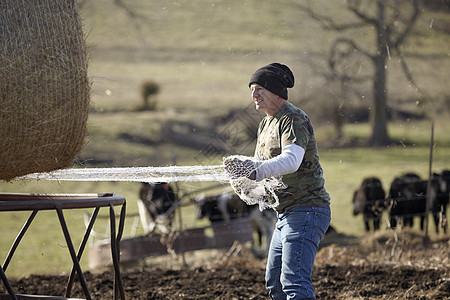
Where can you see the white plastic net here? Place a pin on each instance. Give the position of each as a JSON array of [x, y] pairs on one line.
[[136, 174], [235, 169], [263, 192]]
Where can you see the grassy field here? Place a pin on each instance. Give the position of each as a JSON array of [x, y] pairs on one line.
[[344, 170], [202, 53]]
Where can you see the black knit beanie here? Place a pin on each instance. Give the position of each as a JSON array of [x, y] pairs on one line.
[[274, 77]]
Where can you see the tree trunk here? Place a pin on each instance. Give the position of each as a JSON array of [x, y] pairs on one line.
[[378, 115]]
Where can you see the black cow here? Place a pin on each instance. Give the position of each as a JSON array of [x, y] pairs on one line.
[[445, 198], [227, 206], [220, 208], [409, 196], [407, 199], [440, 191], [445, 181], [156, 206], [369, 200]]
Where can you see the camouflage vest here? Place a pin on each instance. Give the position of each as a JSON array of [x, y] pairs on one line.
[[305, 187]]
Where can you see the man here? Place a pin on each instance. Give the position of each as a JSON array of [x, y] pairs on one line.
[[287, 146]]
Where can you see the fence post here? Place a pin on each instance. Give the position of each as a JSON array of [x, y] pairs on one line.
[[428, 199]]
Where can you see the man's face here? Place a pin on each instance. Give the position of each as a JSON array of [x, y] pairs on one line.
[[265, 100]]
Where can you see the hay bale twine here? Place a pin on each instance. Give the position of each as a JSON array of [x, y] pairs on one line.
[[44, 87]]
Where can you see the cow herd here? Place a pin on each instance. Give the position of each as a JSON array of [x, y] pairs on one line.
[[409, 196], [157, 203]]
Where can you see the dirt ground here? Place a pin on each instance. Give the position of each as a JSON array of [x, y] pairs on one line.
[[386, 265]]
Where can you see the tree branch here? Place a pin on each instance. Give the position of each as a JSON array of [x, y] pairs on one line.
[[352, 45], [125, 7], [408, 73], [135, 18], [326, 22], [354, 6], [409, 26]]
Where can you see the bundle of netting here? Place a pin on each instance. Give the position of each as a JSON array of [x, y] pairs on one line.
[[44, 86], [263, 193]]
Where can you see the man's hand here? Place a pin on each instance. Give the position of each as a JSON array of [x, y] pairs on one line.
[[237, 168]]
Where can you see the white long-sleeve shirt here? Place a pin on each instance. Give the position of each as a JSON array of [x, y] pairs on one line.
[[287, 162]]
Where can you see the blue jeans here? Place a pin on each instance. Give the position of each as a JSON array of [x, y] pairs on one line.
[[292, 252]]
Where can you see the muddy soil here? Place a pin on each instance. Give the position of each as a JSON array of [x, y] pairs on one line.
[[385, 265]]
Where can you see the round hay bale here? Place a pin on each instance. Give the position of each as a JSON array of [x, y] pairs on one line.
[[44, 87]]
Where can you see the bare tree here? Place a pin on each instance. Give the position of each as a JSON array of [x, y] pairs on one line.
[[391, 21]]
